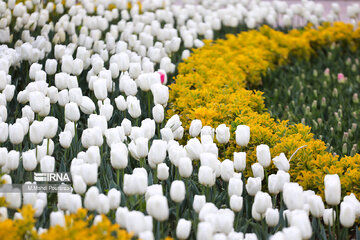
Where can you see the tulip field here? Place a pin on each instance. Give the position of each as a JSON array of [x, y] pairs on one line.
[[165, 119]]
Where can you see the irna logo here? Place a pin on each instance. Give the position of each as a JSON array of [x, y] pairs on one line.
[[52, 177]]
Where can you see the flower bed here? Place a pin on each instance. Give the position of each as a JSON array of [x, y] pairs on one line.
[[212, 90]]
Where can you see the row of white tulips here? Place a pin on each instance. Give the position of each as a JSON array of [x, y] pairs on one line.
[[82, 88]]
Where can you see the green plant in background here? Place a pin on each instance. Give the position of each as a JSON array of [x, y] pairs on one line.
[[321, 93]]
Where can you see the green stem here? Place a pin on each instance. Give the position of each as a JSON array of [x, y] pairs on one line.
[[75, 137], [149, 103], [155, 180], [118, 177], [47, 146]]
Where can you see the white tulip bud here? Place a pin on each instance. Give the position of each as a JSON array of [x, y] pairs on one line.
[[79, 184], [183, 229], [272, 217], [253, 185], [29, 160], [36, 132], [157, 153], [329, 216], [235, 186], [16, 133], [236, 203], [91, 198], [185, 167], [133, 106], [162, 171], [119, 155], [57, 218], [206, 176], [121, 103], [72, 112], [227, 170], [100, 89], [222, 134], [12, 161], [242, 135], [51, 126], [258, 170], [47, 164], [114, 197], [263, 155], [332, 189], [65, 139], [293, 196], [36, 100], [158, 208], [51, 66], [281, 162], [177, 191]]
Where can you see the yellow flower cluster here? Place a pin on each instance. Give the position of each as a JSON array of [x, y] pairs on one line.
[[77, 226], [212, 86]]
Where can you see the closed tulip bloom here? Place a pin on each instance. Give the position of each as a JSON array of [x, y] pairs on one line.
[[205, 231], [63, 97], [273, 184], [51, 126], [293, 196], [160, 93], [79, 184], [317, 207], [3, 156], [103, 206], [120, 102], [65, 139], [329, 216], [193, 148], [253, 185], [157, 153], [263, 155], [89, 173], [91, 198], [183, 229], [51, 66], [29, 160], [351, 199], [262, 202], [142, 147], [177, 191], [300, 219], [272, 217], [72, 112], [206, 176], [12, 161], [98, 121], [242, 135], [347, 214], [121, 216], [199, 202], [236, 203], [281, 162], [185, 167], [100, 89], [173, 123], [158, 113], [195, 128], [133, 106], [157, 207], [227, 170], [87, 106], [239, 161], [16, 133], [166, 134], [4, 132], [114, 197], [124, 61], [106, 109], [162, 171], [155, 189], [128, 86], [222, 134], [57, 218], [119, 155], [36, 100], [135, 222], [332, 189], [235, 187], [75, 95], [258, 170], [292, 233], [47, 164], [13, 199]]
